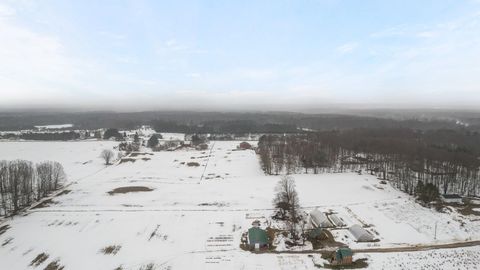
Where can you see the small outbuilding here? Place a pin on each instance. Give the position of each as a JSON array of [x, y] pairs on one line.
[[245, 146], [319, 219], [452, 198], [342, 256], [257, 239], [361, 234]]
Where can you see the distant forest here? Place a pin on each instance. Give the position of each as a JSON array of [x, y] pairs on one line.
[[449, 159], [218, 122]]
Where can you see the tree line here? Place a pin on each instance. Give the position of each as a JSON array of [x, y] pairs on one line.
[[176, 121], [51, 136], [221, 127], [449, 159], [23, 183]]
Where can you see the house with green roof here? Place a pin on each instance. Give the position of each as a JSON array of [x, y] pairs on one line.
[[257, 239], [342, 256]]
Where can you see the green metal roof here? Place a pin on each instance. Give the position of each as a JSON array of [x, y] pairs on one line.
[[257, 235], [343, 253]]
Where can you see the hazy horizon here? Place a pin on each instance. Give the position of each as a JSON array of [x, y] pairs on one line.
[[254, 56]]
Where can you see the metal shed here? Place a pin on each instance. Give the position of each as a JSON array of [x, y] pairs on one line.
[[319, 219], [342, 256], [361, 234], [257, 238]]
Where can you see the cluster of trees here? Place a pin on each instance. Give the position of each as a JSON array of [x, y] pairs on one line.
[[449, 159], [22, 183], [153, 141], [426, 193], [51, 136], [278, 122], [113, 133], [128, 147]]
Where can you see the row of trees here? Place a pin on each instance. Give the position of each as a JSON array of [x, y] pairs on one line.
[[51, 136], [446, 158], [22, 183]]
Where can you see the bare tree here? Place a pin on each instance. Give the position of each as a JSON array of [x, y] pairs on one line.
[[107, 155], [22, 183], [44, 179], [58, 175], [14, 184], [4, 179], [286, 199], [287, 203], [294, 212]]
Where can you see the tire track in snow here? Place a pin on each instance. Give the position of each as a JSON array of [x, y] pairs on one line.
[[208, 160], [130, 209]]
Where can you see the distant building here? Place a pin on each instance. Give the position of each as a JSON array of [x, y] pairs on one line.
[[342, 256], [257, 239], [452, 198], [172, 144], [245, 146]]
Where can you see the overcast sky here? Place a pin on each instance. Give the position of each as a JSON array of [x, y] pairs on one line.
[[136, 55]]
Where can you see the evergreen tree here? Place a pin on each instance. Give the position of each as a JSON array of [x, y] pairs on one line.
[[153, 141]]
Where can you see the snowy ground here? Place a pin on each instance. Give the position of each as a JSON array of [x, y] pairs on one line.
[[194, 216], [79, 158]]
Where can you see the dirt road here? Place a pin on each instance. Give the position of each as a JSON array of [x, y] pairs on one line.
[[418, 247]]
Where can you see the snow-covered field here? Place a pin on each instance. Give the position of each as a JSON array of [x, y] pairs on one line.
[[79, 158], [193, 217]]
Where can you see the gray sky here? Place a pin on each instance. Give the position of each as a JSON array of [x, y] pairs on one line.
[[256, 55]]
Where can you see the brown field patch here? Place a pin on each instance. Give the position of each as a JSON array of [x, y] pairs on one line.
[[66, 191], [124, 160], [469, 209], [123, 190], [193, 164], [135, 154], [4, 228], [39, 259], [113, 249], [54, 266], [7, 241], [149, 266]]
